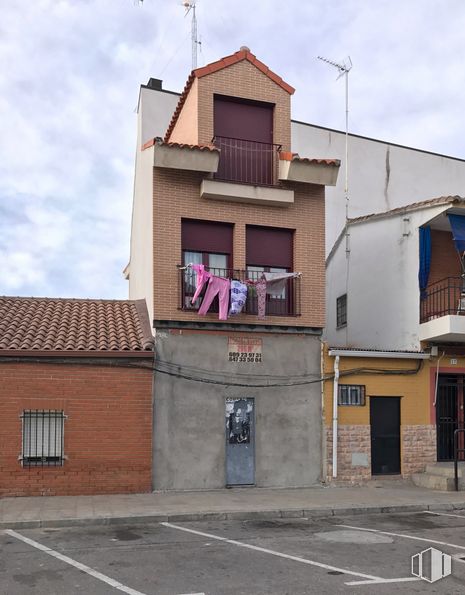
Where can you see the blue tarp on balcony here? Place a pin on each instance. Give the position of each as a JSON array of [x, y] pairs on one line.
[[457, 224]]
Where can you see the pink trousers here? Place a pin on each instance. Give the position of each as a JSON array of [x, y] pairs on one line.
[[216, 286]]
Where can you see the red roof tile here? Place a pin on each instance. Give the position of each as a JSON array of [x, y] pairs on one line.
[[159, 141], [243, 54], [74, 325]]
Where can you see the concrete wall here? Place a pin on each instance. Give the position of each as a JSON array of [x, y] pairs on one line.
[[186, 129], [141, 255], [380, 278], [189, 417]]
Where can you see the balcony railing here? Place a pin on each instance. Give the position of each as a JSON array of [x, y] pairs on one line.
[[443, 298], [246, 161], [283, 303]]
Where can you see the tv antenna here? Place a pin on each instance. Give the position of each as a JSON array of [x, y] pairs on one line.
[[344, 68], [189, 5]]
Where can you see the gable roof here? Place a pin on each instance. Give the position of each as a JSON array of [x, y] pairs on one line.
[[242, 54], [74, 327]]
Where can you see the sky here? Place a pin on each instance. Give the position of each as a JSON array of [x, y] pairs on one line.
[[70, 72]]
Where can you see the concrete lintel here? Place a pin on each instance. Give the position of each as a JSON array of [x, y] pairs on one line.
[[247, 328], [309, 173], [192, 159], [246, 193]]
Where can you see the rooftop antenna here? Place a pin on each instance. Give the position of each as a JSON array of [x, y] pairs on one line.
[[189, 5], [344, 69]]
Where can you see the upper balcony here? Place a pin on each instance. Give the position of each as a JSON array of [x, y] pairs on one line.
[[442, 311]]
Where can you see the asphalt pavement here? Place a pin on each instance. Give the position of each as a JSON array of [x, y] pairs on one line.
[[368, 553]]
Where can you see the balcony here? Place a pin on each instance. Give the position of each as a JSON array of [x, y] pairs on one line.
[[442, 311], [285, 303]]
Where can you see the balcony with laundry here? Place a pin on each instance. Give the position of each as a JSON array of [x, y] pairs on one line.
[[442, 278]]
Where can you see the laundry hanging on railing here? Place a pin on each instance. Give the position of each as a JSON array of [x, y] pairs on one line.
[[277, 282], [202, 277], [238, 297]]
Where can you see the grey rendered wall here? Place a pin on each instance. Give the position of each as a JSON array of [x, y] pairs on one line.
[[189, 417]]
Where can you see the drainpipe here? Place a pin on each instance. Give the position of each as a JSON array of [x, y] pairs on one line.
[[335, 391]]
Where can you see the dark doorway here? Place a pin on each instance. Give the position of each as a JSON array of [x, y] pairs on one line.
[[244, 133], [449, 414], [385, 435]]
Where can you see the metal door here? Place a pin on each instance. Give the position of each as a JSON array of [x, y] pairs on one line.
[[449, 414], [240, 442], [385, 435]]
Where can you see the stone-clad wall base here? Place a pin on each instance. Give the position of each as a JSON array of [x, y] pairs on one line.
[[354, 453], [418, 448]]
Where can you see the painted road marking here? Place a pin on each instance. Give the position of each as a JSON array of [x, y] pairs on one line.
[[71, 562], [457, 516], [370, 579], [385, 580], [453, 545]]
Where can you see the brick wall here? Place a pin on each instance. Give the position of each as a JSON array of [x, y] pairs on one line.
[[107, 436], [444, 258], [176, 195]]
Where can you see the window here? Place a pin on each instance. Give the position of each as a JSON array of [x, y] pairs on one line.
[[43, 434], [270, 250], [204, 242], [341, 310], [351, 394]]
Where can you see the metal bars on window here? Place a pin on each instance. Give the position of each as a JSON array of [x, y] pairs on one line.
[[351, 394], [42, 438], [341, 310]]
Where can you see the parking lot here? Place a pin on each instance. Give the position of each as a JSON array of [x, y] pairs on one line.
[[356, 554]]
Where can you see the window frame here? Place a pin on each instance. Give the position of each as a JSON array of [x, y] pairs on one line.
[[344, 400], [48, 453], [341, 311]]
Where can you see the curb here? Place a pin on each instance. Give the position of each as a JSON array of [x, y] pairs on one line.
[[291, 513]]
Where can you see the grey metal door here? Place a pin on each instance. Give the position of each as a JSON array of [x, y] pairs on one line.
[[240, 442]]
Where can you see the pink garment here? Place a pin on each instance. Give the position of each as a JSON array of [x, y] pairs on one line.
[[260, 287], [216, 286], [202, 277]]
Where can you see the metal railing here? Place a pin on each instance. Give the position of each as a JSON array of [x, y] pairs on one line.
[[458, 451], [283, 303], [246, 161], [443, 298]]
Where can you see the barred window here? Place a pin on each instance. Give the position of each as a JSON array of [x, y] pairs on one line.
[[43, 438], [351, 394], [341, 310]]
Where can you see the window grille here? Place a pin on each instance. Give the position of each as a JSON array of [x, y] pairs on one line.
[[351, 394], [341, 310], [43, 438]]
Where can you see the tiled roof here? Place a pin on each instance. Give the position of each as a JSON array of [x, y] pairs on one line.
[[288, 156], [74, 325], [159, 141], [432, 202], [242, 54]]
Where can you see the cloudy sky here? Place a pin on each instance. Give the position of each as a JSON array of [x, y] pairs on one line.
[[69, 77]]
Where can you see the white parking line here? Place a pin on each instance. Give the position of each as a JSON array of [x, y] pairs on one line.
[[457, 516], [71, 562], [453, 545], [369, 579]]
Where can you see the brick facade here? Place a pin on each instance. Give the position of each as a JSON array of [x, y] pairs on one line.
[[444, 260], [107, 433]]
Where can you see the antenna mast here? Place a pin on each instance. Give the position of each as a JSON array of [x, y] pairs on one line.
[[189, 5], [344, 69]]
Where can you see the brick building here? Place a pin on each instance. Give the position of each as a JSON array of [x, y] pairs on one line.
[[75, 397], [223, 191]]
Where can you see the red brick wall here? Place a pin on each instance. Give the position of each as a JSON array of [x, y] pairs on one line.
[[107, 436], [444, 257]]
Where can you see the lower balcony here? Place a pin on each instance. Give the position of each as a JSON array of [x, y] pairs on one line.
[[442, 311], [282, 303]]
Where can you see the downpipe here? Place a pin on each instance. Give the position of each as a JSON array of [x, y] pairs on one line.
[[335, 413]]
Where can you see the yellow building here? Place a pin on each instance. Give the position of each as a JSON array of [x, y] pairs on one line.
[[396, 411]]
